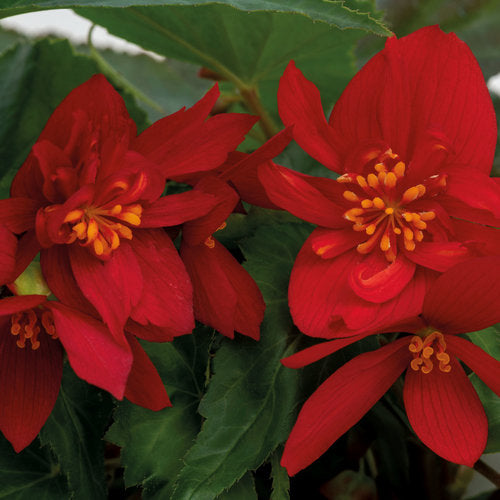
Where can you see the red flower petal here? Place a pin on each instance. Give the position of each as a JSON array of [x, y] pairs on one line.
[[446, 413], [475, 189], [439, 256], [456, 302], [299, 105], [341, 401], [319, 351], [226, 198], [150, 332], [29, 385], [329, 243], [11, 305], [225, 295], [175, 209], [484, 240], [144, 385], [428, 80], [166, 298], [151, 142], [93, 352], [485, 366], [18, 214], [113, 287], [360, 315], [8, 248], [376, 280], [295, 194], [316, 287]]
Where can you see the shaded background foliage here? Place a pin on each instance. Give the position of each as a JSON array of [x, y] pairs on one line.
[[234, 403]]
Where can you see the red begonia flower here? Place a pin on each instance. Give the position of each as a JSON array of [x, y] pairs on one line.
[[225, 295], [412, 137], [442, 406], [89, 194], [32, 330]]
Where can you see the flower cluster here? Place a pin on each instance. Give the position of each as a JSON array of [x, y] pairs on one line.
[[407, 240], [88, 200]]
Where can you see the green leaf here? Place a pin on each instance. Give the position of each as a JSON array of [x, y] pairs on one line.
[[250, 50], [34, 79], [250, 403], [33, 473], [279, 475], [244, 489], [330, 12], [489, 340], [154, 443], [74, 432]]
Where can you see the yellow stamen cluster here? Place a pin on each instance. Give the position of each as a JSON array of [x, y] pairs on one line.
[[101, 228], [423, 350], [381, 211], [24, 325]]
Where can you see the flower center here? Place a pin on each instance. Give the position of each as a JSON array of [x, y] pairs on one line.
[[101, 228], [26, 325], [382, 208], [433, 345]]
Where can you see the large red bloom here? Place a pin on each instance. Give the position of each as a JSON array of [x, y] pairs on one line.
[[442, 405], [88, 197], [412, 137]]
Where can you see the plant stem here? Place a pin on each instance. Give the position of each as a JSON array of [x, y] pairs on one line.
[[488, 472], [253, 102]]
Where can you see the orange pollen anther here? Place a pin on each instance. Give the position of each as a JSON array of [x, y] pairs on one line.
[[100, 228], [381, 209], [423, 350], [25, 326]]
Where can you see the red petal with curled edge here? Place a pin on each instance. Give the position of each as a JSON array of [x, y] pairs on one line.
[[113, 287], [27, 249], [175, 209], [446, 413], [11, 305], [18, 214], [150, 332], [93, 352], [329, 243], [295, 194], [198, 230], [225, 295], [456, 302], [166, 298], [8, 249], [360, 315], [376, 280], [316, 287], [486, 367], [299, 104], [439, 256], [144, 385], [29, 385], [319, 351], [426, 80], [341, 401]]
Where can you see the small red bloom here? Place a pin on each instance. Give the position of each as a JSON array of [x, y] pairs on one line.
[[225, 295], [412, 137], [442, 406]]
